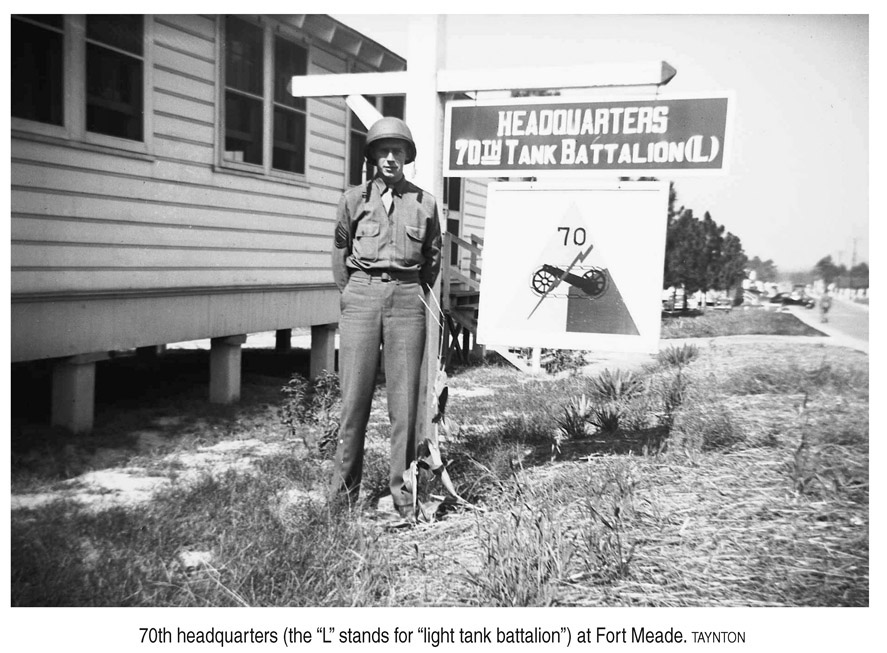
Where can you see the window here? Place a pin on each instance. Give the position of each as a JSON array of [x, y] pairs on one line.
[[452, 191], [82, 78], [244, 74], [289, 111], [37, 83], [251, 95], [114, 47], [452, 199], [357, 141], [360, 170]]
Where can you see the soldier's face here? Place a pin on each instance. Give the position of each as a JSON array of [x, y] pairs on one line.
[[390, 155]]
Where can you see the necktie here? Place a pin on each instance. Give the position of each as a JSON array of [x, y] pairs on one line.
[[387, 199]]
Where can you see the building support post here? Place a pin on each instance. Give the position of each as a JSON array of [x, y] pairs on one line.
[[323, 349], [224, 369], [73, 393], [283, 340]]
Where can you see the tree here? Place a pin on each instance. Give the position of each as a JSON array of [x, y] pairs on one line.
[[764, 270], [856, 277], [672, 202], [826, 269], [733, 262], [714, 242], [859, 276], [685, 261], [699, 256]]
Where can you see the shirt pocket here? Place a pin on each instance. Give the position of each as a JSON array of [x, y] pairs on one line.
[[366, 241], [415, 238]]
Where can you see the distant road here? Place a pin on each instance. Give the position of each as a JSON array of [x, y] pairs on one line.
[[849, 318], [847, 321]]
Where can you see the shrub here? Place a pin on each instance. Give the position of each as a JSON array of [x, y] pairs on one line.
[[678, 356], [607, 417], [316, 403], [672, 391], [615, 385], [294, 410], [573, 422], [559, 360], [326, 409]]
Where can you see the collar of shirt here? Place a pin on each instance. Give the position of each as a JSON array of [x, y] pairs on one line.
[[398, 189]]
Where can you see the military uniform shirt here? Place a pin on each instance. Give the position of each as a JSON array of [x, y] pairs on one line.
[[405, 240]]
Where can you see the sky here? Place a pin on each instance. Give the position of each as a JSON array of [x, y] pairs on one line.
[[797, 188]]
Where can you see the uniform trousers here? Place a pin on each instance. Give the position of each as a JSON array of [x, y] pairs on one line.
[[377, 311]]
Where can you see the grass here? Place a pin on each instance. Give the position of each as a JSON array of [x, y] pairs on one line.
[[734, 476], [735, 323]]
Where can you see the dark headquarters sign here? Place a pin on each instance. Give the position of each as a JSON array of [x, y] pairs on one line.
[[526, 136]]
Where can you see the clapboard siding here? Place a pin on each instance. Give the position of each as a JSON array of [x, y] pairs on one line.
[[57, 230], [184, 172], [190, 34], [84, 208], [327, 147], [181, 127], [174, 81], [186, 189], [324, 61], [181, 149], [327, 129], [127, 321], [90, 221], [475, 206], [176, 105], [96, 256], [203, 28], [192, 67], [85, 281]]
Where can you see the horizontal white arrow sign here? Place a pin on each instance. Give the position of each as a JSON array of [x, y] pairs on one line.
[[589, 76]]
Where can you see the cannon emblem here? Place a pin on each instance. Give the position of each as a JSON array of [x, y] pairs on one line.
[[594, 281]]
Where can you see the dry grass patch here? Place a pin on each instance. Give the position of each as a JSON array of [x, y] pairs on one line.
[[736, 323], [757, 495]]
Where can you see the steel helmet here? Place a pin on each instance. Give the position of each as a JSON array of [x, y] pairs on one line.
[[390, 128]]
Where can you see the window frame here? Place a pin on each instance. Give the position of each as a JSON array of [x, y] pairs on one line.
[[270, 30], [73, 127]]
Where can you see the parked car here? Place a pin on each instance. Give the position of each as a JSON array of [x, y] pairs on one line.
[[793, 299]]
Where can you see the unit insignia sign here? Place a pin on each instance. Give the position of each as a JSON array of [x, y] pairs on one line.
[[573, 266], [528, 136]]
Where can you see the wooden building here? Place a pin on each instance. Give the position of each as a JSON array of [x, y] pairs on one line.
[[166, 186]]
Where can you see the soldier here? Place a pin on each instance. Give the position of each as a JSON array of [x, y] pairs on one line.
[[386, 254], [825, 303]]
